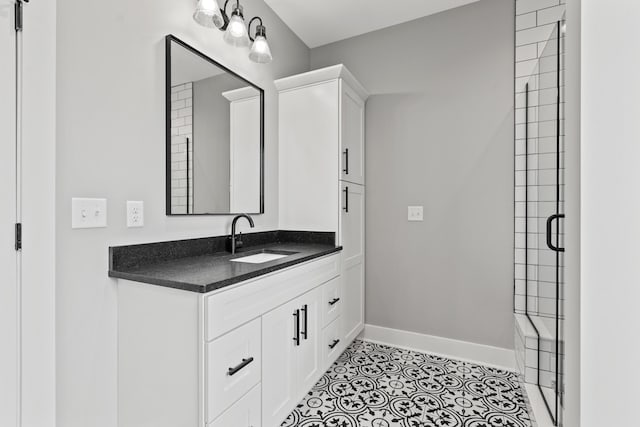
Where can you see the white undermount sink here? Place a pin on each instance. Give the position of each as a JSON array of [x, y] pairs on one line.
[[260, 258]]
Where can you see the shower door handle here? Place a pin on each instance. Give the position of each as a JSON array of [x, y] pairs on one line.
[[549, 224]]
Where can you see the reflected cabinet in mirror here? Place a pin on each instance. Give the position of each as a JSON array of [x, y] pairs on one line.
[[215, 136]]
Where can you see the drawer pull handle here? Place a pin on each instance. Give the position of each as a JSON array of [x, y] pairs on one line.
[[334, 301], [334, 344], [296, 338], [245, 362], [305, 321]]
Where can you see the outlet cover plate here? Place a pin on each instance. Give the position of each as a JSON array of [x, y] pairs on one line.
[[135, 214]]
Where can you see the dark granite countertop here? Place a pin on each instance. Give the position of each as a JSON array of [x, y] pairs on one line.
[[198, 265]]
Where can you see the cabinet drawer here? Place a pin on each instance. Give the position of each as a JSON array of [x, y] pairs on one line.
[[331, 301], [246, 412], [229, 309], [233, 367], [332, 343]]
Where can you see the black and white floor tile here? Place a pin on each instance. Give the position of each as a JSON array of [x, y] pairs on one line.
[[373, 385]]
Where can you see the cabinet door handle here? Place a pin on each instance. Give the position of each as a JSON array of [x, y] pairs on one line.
[[346, 199], [346, 161], [296, 338], [234, 370], [334, 301], [334, 344], [304, 321]]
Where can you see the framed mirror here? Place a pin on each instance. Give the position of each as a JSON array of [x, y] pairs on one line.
[[214, 136]]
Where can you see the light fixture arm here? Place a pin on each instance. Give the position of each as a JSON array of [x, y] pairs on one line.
[[225, 16], [260, 24]]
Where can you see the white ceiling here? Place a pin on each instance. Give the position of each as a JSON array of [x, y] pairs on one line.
[[320, 22]]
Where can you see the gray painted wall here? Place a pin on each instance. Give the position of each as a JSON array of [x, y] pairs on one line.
[[439, 134], [111, 143], [211, 130]]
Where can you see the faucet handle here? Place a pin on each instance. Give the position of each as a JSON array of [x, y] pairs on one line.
[[239, 242]]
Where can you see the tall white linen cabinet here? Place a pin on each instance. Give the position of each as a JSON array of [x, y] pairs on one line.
[[322, 174]]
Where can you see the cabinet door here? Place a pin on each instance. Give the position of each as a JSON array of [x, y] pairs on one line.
[[309, 157], [279, 351], [352, 237], [351, 135], [309, 363], [352, 223], [353, 309]]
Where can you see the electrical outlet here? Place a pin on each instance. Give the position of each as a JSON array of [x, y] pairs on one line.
[[135, 214], [415, 213], [88, 213]]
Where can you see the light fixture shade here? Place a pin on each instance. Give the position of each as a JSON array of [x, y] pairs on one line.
[[208, 14], [260, 51], [237, 34]]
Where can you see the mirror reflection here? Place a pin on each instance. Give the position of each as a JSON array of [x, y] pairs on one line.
[[214, 136]]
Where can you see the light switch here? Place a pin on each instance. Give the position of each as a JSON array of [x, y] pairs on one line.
[[415, 213], [135, 214], [88, 213]]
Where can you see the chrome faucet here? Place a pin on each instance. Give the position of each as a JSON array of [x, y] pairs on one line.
[[236, 242]]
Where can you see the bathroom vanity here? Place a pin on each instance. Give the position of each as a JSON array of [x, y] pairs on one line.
[[225, 340]]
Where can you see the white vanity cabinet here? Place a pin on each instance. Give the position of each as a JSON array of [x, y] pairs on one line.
[[322, 174], [241, 356]]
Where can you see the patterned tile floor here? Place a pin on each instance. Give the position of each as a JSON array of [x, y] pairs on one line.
[[373, 385]]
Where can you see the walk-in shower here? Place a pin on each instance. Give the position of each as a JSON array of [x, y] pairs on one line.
[[540, 186]]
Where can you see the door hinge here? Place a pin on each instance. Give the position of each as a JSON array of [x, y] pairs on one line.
[[19, 14], [18, 236]]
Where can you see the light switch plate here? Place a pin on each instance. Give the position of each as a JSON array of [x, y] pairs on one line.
[[415, 213], [135, 214], [88, 213]]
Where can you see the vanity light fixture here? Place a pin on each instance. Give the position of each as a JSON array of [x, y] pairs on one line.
[[209, 14], [260, 51], [237, 34]]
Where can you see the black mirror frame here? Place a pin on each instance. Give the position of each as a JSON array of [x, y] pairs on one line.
[[171, 38]]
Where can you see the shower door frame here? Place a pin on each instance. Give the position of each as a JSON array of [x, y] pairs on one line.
[[557, 216]]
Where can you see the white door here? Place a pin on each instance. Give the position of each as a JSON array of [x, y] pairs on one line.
[[352, 234], [309, 354], [352, 136], [9, 336], [280, 334]]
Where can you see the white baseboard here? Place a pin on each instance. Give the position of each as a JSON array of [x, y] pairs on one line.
[[497, 357]]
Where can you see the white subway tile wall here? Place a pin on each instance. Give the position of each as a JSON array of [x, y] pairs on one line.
[[181, 141], [535, 23]]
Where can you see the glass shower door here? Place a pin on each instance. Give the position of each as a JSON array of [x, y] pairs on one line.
[[545, 216]]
